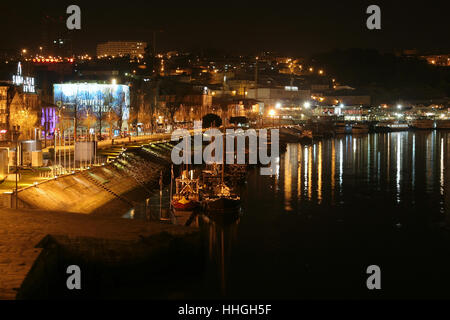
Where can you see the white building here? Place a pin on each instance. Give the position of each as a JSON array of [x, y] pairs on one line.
[[135, 49], [279, 97]]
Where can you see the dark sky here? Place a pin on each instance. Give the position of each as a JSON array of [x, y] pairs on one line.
[[288, 27]]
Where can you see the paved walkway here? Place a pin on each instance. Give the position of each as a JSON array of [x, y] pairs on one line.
[[21, 231], [118, 142]]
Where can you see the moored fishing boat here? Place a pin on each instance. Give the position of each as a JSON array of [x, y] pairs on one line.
[[222, 201], [186, 199]]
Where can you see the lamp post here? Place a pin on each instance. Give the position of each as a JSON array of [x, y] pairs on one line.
[[16, 134], [272, 113]]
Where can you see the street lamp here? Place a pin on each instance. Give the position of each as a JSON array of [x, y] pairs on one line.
[[307, 105], [16, 134], [272, 114], [399, 107]]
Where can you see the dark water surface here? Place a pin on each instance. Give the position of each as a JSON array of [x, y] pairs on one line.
[[334, 208]]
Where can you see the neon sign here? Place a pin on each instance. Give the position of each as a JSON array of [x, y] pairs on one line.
[[27, 83]]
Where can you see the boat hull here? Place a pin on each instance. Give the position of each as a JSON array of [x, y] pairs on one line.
[[423, 125], [223, 205], [184, 207], [443, 124]]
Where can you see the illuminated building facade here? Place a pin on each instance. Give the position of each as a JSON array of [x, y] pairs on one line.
[[134, 49], [84, 100]]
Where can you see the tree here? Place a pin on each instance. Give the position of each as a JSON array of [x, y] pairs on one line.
[[100, 111], [89, 119], [78, 109], [111, 119], [180, 93], [133, 118], [119, 110], [23, 114], [211, 120], [151, 102]]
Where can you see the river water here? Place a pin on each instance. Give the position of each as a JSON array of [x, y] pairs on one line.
[[334, 208]]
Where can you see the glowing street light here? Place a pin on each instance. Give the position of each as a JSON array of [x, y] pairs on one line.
[[272, 113], [307, 105], [114, 81], [278, 105], [399, 107]]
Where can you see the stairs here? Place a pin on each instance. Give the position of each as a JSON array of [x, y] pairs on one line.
[[88, 176]]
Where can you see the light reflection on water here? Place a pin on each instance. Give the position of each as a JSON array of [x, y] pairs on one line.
[[398, 164], [373, 182]]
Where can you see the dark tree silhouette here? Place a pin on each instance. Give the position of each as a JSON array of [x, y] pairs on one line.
[[211, 120]]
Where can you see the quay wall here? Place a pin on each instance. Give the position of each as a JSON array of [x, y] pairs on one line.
[[86, 191]]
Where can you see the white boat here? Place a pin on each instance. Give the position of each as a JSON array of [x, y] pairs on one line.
[[391, 126]]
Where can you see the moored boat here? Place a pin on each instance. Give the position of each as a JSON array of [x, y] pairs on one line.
[[342, 128], [391, 126], [423, 124], [222, 201], [443, 124], [360, 128], [184, 204], [186, 199]]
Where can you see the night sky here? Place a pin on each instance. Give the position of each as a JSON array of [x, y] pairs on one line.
[[293, 27]]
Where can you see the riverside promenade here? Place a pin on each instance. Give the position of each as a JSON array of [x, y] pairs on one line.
[[22, 231]]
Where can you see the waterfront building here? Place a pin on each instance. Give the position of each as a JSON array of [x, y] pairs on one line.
[[283, 99]]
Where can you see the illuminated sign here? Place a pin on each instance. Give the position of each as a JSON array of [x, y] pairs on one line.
[[94, 97], [27, 83], [290, 88]]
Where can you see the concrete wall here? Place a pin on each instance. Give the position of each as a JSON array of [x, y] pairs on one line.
[[84, 192]]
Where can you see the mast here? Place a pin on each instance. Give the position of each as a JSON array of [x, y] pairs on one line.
[[223, 155]]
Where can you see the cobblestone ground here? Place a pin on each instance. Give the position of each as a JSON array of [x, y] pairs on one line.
[[21, 231]]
